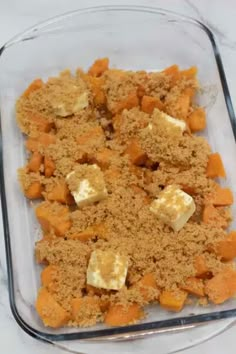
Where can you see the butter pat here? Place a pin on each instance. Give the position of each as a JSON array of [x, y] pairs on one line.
[[107, 270], [174, 207], [175, 124], [74, 105], [86, 184]]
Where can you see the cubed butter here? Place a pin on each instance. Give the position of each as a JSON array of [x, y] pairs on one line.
[[107, 270], [76, 104], [174, 207], [86, 184], [174, 123]]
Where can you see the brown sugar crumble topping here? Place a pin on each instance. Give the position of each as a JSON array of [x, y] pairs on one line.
[[128, 136]]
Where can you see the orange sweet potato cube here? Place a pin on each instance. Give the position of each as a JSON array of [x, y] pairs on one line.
[[215, 167], [129, 102], [35, 85], [103, 158], [136, 154], [49, 166], [48, 277], [202, 270], [35, 162], [197, 120], [212, 216], [147, 283], [222, 286], [98, 67], [119, 315], [39, 121], [149, 103], [222, 197], [226, 248], [194, 286], [90, 136], [60, 193], [173, 300], [34, 191], [50, 312]]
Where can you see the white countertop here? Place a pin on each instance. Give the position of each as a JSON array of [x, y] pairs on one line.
[[16, 16]]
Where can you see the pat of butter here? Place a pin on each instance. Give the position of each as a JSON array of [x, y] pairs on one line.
[[107, 270], [65, 110], [175, 123], [174, 207], [84, 192]]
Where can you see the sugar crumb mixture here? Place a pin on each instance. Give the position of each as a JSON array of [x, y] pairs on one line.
[[116, 120]]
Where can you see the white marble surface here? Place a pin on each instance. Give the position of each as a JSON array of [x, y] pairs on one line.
[[17, 15]]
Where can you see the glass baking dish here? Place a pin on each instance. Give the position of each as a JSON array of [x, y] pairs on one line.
[[132, 37]]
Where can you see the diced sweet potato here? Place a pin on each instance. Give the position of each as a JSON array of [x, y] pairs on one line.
[[96, 86], [189, 73], [90, 136], [148, 287], [149, 103], [58, 222], [215, 167], [44, 139], [98, 230], [188, 189], [222, 286], [34, 191], [173, 72], [202, 270], [119, 315], [136, 154], [50, 312], [35, 85], [197, 120], [226, 248], [212, 216], [103, 158], [173, 300], [194, 286], [49, 166], [222, 197], [99, 66], [35, 162], [60, 193], [85, 308], [49, 276], [182, 105], [39, 121], [129, 102]]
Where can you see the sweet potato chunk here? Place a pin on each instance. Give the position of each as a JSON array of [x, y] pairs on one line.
[[148, 287], [149, 103], [35, 85], [50, 312], [60, 193], [35, 162], [222, 286], [44, 139], [194, 286], [119, 315], [202, 270], [98, 230], [215, 167], [49, 166], [173, 300], [34, 191], [136, 155], [53, 217], [39, 121], [103, 158], [212, 216], [197, 120], [173, 72], [222, 197], [189, 73], [226, 248], [48, 277], [98, 67], [96, 86], [90, 136], [129, 102], [86, 309]]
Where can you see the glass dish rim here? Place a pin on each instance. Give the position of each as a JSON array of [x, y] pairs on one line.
[[131, 331]]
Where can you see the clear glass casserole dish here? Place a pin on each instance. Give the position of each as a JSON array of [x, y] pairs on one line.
[[133, 38]]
